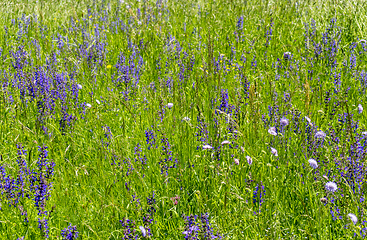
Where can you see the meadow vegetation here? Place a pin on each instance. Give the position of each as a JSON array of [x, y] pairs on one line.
[[206, 119]]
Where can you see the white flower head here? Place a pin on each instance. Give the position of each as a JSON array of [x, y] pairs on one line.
[[272, 131], [331, 186], [353, 218], [79, 86], [309, 121], [98, 101], [207, 147], [88, 105], [236, 161], [313, 163], [320, 134], [360, 108], [143, 231], [249, 160], [274, 151], [284, 122], [186, 119], [226, 142], [170, 105]]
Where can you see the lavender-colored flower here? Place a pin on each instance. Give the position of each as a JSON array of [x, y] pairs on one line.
[[207, 147], [353, 218], [79, 86], [284, 122], [360, 108], [313, 163], [143, 231], [272, 131], [249, 160], [320, 134], [236, 161], [274, 152], [331, 186], [170, 105], [69, 233], [226, 142]]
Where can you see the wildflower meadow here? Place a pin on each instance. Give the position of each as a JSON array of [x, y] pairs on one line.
[[172, 119]]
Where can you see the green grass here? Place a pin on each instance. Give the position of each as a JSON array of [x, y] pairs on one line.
[[98, 176]]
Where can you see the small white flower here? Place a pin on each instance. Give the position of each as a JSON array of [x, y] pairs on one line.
[[236, 161], [79, 86], [331, 186], [353, 218], [313, 163], [272, 131], [249, 160], [364, 133], [320, 134], [98, 101], [143, 231], [284, 122], [226, 142], [309, 121], [186, 119], [274, 152], [88, 105], [170, 105], [207, 147], [360, 108]]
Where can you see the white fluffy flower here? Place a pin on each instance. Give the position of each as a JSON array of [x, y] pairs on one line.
[[313, 163], [274, 152], [272, 131], [353, 218], [207, 147], [331, 186], [170, 105]]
